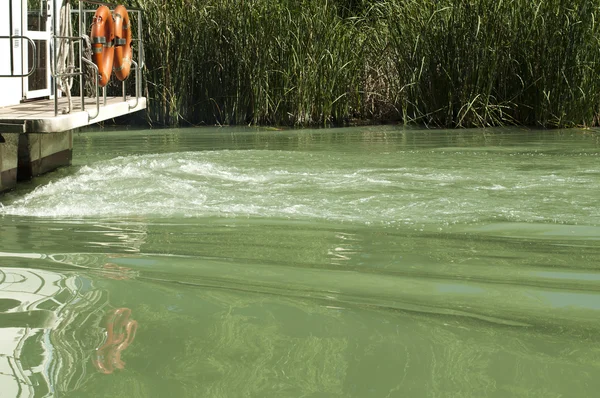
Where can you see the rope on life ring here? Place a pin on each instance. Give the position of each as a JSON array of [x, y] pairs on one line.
[[103, 50], [123, 43]]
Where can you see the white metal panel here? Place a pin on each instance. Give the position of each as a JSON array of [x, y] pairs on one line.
[[11, 89], [42, 39]]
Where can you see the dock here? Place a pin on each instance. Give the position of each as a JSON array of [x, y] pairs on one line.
[[38, 116], [50, 80], [33, 141]]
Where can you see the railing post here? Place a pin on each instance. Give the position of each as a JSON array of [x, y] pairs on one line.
[[95, 68], [10, 26], [81, 49], [141, 54], [137, 96], [54, 61]]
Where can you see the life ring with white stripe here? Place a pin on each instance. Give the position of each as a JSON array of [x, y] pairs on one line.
[[102, 37], [123, 42]]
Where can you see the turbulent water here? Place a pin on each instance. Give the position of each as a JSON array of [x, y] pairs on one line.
[[364, 262]]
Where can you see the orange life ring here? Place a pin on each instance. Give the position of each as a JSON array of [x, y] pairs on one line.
[[103, 51], [123, 49]]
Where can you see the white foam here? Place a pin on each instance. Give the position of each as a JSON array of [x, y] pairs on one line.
[[305, 185]]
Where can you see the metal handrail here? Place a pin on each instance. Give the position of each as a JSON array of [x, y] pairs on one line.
[[137, 94], [52, 71], [81, 14], [31, 72], [93, 65]]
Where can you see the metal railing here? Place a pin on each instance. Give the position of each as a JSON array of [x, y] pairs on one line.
[[95, 67], [79, 38], [82, 21], [33, 46]]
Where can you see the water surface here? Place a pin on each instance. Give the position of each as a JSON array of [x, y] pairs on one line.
[[363, 262]]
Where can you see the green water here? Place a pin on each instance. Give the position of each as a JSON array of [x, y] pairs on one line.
[[364, 262]]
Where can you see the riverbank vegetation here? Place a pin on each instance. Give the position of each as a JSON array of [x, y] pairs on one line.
[[452, 63]]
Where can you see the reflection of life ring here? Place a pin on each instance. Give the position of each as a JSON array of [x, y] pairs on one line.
[[123, 50], [120, 332], [102, 36]]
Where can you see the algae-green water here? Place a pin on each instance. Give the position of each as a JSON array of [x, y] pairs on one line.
[[360, 262]]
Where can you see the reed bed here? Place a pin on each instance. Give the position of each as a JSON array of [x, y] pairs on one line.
[[452, 63]]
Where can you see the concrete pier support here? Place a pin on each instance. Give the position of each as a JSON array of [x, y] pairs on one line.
[[9, 150], [37, 140], [26, 155], [41, 153]]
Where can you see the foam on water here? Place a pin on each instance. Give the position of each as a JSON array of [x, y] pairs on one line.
[[308, 185]]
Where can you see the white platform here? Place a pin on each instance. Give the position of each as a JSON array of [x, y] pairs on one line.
[[38, 116]]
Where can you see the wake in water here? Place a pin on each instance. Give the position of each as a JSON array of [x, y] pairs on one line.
[[315, 281], [317, 185]]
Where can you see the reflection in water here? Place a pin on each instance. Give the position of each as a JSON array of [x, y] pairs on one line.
[[50, 326], [120, 332]]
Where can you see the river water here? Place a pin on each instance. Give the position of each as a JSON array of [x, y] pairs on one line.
[[362, 262]]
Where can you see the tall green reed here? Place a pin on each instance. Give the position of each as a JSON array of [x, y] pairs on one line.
[[490, 62], [260, 62], [451, 63]]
